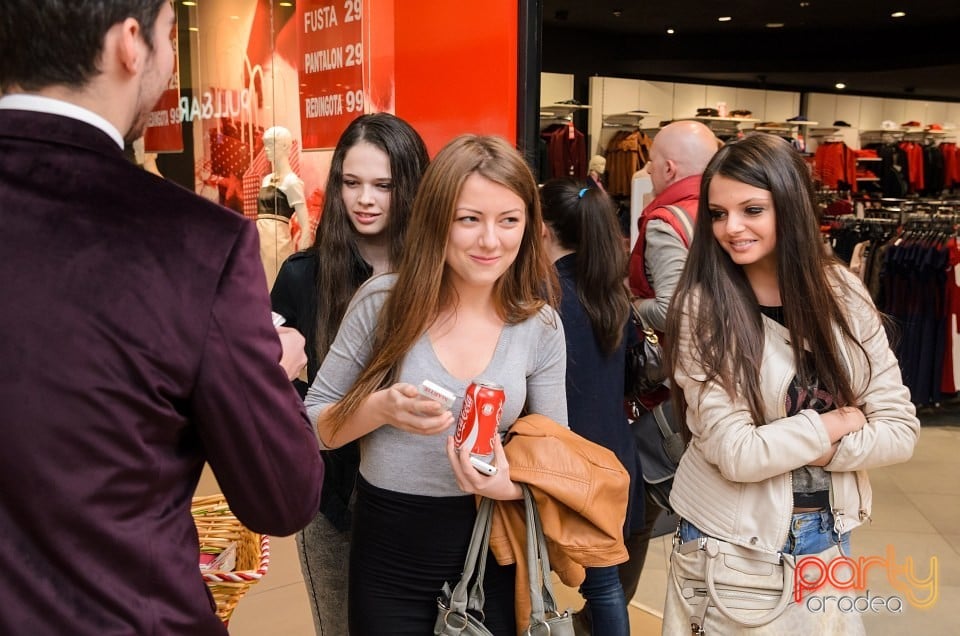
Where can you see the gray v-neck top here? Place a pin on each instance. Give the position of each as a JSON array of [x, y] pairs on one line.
[[529, 361]]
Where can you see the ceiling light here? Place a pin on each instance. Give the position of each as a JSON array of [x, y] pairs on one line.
[[898, 14], [774, 25], [670, 31], [193, 29], [840, 85], [804, 4], [188, 3], [725, 18], [286, 4], [617, 13]]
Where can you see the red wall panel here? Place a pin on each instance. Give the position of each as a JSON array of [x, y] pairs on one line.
[[456, 68]]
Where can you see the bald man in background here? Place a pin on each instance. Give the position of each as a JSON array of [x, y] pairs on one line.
[[680, 153]]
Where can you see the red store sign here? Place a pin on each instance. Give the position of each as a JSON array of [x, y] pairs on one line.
[[330, 44]]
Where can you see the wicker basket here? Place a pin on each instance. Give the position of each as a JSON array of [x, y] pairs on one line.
[[217, 527]]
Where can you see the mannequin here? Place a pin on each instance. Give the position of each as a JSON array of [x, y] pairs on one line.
[[598, 165], [280, 197], [146, 160]]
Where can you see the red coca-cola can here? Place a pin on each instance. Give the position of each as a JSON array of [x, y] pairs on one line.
[[480, 418]]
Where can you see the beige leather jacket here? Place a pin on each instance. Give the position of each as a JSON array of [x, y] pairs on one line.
[[734, 481]]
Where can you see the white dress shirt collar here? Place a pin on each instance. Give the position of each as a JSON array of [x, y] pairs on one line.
[[36, 103]]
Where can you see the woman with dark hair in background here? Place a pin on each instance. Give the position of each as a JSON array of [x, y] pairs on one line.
[[374, 174], [583, 239]]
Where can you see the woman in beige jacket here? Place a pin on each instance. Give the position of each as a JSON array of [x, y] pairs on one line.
[[788, 384]]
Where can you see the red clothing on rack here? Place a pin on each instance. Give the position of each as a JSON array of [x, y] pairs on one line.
[[951, 357], [914, 164], [566, 157], [835, 162], [951, 163]]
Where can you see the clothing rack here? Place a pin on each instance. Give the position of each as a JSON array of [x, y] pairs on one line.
[[906, 254], [940, 215]]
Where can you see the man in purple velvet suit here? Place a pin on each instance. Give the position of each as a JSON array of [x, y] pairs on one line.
[[135, 342]]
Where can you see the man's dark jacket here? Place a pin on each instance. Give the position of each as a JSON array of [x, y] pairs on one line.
[[135, 344]]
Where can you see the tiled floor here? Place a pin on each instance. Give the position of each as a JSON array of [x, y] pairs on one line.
[[916, 512]]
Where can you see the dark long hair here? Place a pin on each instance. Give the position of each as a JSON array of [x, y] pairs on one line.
[[422, 280], [60, 42], [587, 224], [341, 269], [716, 306]]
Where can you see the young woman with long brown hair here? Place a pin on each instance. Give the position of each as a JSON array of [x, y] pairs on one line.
[[471, 299]]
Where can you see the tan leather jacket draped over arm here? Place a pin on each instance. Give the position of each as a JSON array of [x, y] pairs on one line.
[[581, 490]]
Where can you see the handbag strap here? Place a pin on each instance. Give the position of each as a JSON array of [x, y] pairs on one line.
[[662, 422], [673, 444], [460, 598], [714, 548], [647, 331], [542, 598]]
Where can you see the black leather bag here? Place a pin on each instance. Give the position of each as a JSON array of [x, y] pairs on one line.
[[660, 446], [645, 370]]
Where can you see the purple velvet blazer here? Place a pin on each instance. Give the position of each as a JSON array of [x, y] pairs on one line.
[[135, 345]]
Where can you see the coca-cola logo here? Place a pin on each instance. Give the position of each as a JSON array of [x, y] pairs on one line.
[[467, 405]]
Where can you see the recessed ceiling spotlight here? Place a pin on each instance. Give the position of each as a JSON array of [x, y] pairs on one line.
[[724, 18], [774, 25], [617, 13], [898, 14], [188, 3], [840, 86], [670, 31], [804, 4], [195, 29]]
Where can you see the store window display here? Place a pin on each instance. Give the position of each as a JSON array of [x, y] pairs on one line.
[[279, 200]]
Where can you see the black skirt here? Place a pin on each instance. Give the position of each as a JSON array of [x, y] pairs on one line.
[[404, 548]]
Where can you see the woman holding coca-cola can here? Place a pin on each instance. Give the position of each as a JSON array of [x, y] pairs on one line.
[[471, 300]]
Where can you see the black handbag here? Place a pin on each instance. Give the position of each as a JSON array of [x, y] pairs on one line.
[[645, 370], [660, 445], [460, 611]]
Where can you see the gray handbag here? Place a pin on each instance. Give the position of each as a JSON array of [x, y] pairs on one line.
[[458, 611]]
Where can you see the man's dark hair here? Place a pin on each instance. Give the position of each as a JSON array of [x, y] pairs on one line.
[[59, 42]]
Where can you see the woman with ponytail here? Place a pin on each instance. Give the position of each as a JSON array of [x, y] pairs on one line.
[[583, 240]]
